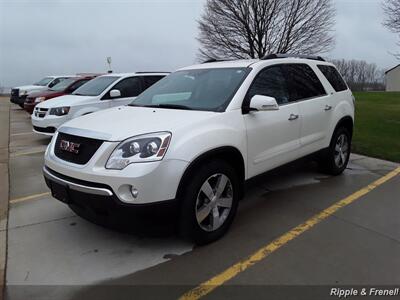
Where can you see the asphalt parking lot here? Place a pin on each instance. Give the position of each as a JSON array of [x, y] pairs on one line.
[[52, 253]]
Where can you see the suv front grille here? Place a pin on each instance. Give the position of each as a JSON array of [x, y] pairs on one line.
[[14, 93], [40, 112], [81, 151]]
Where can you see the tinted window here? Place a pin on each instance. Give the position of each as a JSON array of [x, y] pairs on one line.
[[96, 86], [303, 82], [77, 84], [129, 87], [203, 89], [333, 77], [54, 82], [61, 86], [270, 82], [44, 81], [150, 80]]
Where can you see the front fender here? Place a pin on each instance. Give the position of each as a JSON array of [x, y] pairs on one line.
[[190, 143]]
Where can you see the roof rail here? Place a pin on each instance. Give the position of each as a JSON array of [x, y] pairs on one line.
[[211, 60], [287, 55], [145, 72]]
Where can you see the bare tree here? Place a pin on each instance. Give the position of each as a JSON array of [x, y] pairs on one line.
[[392, 21], [253, 28], [361, 75]]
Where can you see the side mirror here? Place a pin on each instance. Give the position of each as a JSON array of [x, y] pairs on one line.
[[263, 103], [115, 94]]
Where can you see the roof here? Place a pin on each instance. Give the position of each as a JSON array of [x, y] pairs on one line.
[[245, 63], [134, 74], [57, 76], [241, 63], [392, 69]]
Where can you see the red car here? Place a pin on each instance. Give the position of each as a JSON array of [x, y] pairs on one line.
[[65, 87]]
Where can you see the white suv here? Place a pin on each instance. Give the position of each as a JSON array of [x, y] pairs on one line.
[[19, 93], [100, 93], [192, 140]]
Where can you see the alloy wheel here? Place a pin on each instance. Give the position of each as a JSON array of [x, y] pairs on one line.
[[214, 202], [341, 150]]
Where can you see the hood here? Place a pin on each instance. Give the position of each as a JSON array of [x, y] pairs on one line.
[[30, 87], [120, 123], [66, 100], [46, 93]]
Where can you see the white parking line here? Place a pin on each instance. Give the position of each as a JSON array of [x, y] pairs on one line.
[[16, 154], [22, 133]]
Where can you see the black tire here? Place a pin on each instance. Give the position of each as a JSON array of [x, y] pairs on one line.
[[189, 228], [327, 161]]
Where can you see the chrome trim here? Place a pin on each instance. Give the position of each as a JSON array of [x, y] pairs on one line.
[[78, 187], [85, 133]]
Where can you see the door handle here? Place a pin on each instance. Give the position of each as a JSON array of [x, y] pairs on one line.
[[328, 107], [293, 117]]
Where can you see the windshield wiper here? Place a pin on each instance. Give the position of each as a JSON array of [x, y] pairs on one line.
[[171, 106]]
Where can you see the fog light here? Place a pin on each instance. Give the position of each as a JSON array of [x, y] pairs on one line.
[[134, 192]]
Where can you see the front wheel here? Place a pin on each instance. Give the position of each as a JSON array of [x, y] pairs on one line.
[[335, 159], [209, 202]]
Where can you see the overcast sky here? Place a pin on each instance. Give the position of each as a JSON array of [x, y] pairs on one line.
[[44, 37]]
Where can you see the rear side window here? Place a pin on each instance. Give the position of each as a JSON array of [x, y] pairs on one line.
[[150, 80], [333, 77], [270, 82], [303, 82]]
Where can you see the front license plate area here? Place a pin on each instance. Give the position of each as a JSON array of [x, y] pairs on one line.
[[60, 192]]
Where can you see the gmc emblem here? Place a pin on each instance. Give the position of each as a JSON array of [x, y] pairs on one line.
[[69, 146]]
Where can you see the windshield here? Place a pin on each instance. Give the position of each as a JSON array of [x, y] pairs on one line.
[[44, 81], [203, 89], [59, 87], [96, 86]]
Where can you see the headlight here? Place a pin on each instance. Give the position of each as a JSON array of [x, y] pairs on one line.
[[40, 99], [59, 111], [142, 148], [23, 92]]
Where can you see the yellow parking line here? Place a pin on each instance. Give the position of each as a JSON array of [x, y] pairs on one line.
[[218, 280], [30, 197]]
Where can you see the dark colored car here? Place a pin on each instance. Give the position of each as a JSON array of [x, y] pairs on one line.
[[65, 87]]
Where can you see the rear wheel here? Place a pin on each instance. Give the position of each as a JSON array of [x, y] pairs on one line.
[[335, 159], [209, 202]]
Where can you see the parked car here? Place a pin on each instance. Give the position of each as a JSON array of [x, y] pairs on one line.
[[192, 140], [100, 93], [64, 87], [19, 93]]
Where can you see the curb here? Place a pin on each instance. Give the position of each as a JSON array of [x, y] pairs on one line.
[[4, 188]]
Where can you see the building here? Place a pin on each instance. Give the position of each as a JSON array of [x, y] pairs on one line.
[[393, 79]]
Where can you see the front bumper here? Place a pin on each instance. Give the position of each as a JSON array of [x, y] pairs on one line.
[[19, 100], [154, 181], [29, 106], [48, 124], [95, 201]]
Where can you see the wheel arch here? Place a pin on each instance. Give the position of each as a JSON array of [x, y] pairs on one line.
[[229, 154], [346, 122]]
